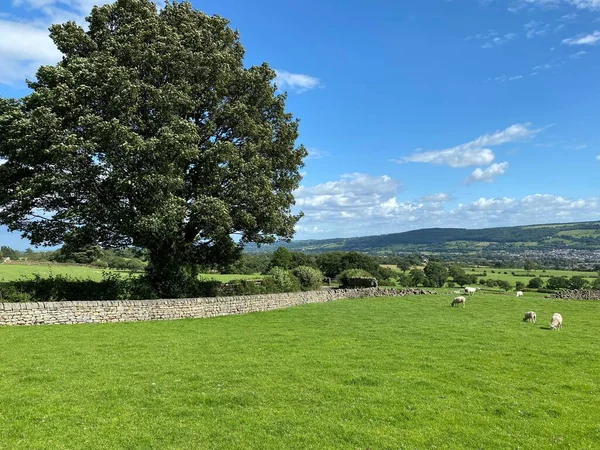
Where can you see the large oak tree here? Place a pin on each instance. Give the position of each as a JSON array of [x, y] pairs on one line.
[[150, 132]]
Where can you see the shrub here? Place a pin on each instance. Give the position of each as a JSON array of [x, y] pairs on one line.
[[535, 283], [519, 286], [352, 273], [100, 263], [361, 282], [558, 283], [12, 294], [135, 265], [504, 284], [310, 279], [284, 280]]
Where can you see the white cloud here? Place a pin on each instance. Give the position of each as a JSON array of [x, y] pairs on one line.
[[536, 29], [488, 175], [568, 17], [23, 48], [25, 43], [315, 153], [361, 204], [440, 197], [552, 4], [352, 191], [476, 152], [583, 39], [578, 54], [492, 38], [504, 78], [295, 81]]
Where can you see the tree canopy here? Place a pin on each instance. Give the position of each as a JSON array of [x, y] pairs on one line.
[[150, 132]]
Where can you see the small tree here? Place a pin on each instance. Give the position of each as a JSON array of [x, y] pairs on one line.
[[519, 286], [503, 284], [310, 278], [529, 265], [558, 283], [535, 283], [578, 282], [417, 277], [282, 257], [403, 265], [436, 273]]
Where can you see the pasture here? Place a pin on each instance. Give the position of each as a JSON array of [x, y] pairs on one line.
[[384, 373], [522, 276], [11, 272]]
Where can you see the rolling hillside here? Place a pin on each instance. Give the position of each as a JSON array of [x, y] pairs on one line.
[[581, 236]]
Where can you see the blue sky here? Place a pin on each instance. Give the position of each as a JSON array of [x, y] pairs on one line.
[[464, 113]]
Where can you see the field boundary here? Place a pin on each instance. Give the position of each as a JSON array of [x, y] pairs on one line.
[[51, 313]]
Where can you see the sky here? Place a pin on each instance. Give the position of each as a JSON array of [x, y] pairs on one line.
[[415, 113]]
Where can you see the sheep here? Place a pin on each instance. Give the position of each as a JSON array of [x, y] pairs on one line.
[[556, 321], [530, 316], [519, 293], [458, 301], [470, 290]]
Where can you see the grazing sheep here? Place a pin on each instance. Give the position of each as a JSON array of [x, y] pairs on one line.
[[519, 293], [530, 317], [458, 301], [556, 321], [470, 290]]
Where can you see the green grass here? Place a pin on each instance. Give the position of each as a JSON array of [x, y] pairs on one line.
[[10, 272], [388, 373], [579, 233], [500, 275]]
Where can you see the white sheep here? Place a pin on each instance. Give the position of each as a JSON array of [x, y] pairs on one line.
[[530, 317], [556, 321], [519, 293], [470, 290], [458, 301]]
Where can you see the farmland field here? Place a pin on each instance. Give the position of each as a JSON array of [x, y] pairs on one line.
[[9, 272], [506, 274], [381, 373]]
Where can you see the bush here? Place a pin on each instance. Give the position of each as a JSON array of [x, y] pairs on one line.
[[310, 279], [504, 285], [11, 294], [558, 283], [352, 273], [535, 283], [405, 280], [100, 263], [519, 286], [284, 280], [135, 265], [360, 282]]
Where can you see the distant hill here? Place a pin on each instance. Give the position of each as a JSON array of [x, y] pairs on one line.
[[581, 235]]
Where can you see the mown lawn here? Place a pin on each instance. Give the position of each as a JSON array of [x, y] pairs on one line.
[[382, 373], [10, 272]]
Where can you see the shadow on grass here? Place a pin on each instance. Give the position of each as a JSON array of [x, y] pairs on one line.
[[545, 328]]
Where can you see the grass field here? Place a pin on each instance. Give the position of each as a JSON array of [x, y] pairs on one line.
[[499, 274], [388, 373], [10, 272]]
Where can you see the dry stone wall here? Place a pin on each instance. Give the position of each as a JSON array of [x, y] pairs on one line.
[[46, 313], [573, 294]]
